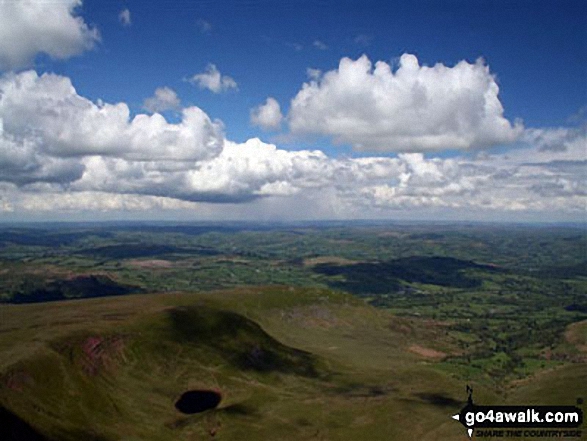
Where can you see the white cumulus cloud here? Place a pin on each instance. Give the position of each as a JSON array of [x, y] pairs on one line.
[[415, 108], [124, 17], [268, 116], [29, 27], [47, 114], [164, 99], [213, 80], [313, 74], [59, 149]]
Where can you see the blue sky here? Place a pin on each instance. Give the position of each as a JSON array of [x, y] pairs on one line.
[[534, 51], [537, 49]]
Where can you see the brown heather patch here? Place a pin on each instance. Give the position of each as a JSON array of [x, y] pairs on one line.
[[576, 334], [99, 353]]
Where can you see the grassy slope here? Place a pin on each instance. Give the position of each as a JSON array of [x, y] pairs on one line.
[[291, 364]]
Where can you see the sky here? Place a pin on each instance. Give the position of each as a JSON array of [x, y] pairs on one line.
[[470, 110]]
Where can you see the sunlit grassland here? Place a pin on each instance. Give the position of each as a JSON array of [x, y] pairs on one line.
[[344, 370]]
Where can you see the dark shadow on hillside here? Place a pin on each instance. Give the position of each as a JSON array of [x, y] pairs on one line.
[[13, 428], [576, 307], [133, 251], [75, 288], [563, 272], [240, 409], [439, 400], [359, 390], [386, 277], [45, 238], [240, 341]]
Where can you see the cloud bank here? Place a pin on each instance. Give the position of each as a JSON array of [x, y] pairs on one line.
[[62, 151]]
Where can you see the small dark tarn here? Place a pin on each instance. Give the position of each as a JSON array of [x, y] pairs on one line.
[[196, 401]]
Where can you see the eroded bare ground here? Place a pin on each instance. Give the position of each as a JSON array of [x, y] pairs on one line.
[[427, 352]]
